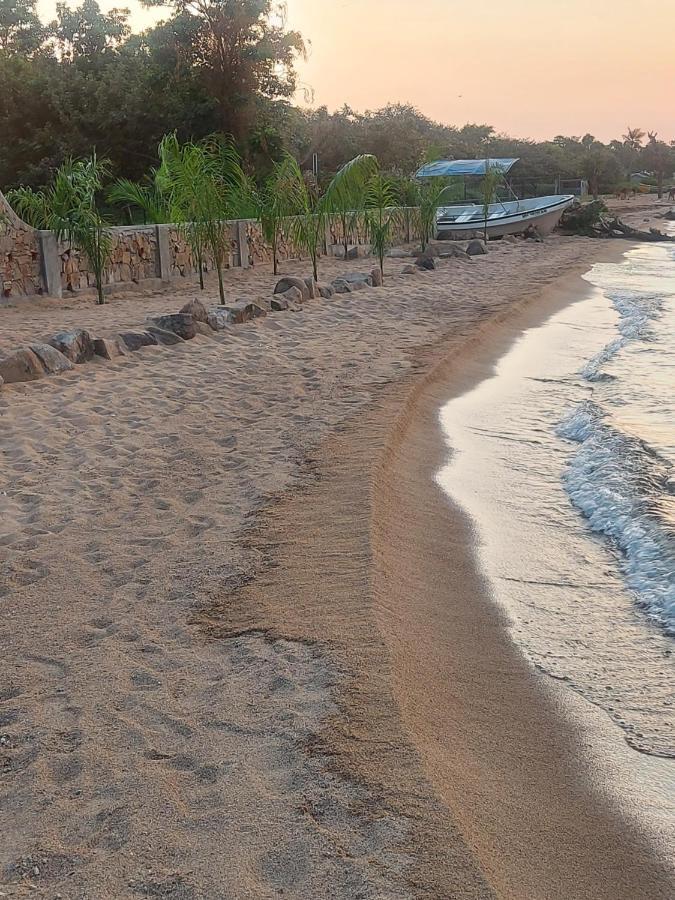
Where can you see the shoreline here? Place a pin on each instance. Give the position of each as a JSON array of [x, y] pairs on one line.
[[495, 742], [205, 654]]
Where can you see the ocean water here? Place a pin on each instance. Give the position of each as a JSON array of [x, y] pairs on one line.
[[565, 461]]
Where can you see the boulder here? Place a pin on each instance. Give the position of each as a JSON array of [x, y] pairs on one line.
[[196, 309], [290, 281], [376, 275], [165, 337], [452, 251], [279, 303], [398, 253], [426, 261], [21, 365], [409, 270], [218, 318], [354, 281], [292, 295], [134, 340], [76, 345], [238, 313], [203, 329], [110, 348], [52, 360], [311, 287], [180, 323], [476, 247], [325, 290], [532, 233]]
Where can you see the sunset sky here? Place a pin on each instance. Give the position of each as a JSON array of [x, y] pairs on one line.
[[532, 68]]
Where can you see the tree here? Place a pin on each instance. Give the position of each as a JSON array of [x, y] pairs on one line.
[[659, 158], [600, 167], [382, 214], [243, 50], [274, 204], [429, 197], [345, 194], [21, 31], [633, 138], [85, 34]]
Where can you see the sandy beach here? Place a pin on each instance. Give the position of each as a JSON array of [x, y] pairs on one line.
[[247, 651]]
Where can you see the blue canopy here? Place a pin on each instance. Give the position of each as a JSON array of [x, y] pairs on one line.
[[464, 167]]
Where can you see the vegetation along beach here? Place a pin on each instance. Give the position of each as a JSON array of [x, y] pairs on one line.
[[337, 523]]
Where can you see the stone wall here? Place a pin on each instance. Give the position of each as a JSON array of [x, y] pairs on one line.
[[33, 263], [20, 260]]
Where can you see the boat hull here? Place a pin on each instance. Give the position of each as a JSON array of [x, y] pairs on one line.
[[544, 219]]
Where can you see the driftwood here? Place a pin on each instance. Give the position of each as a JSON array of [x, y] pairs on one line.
[[593, 220]]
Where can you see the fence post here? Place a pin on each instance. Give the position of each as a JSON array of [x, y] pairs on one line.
[[50, 262], [163, 253]]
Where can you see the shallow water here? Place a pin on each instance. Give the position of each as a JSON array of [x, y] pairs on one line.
[[565, 461]]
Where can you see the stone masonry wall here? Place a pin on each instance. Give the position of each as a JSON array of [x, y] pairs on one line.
[[20, 264], [134, 259]]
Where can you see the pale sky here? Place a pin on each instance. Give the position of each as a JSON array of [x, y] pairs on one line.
[[532, 68]]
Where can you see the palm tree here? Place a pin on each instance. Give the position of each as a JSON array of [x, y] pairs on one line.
[[430, 195], [274, 204], [345, 194], [149, 197], [68, 208], [633, 138], [382, 214], [207, 186], [311, 209]]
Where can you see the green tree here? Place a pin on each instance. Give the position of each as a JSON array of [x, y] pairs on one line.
[[659, 158], [382, 214], [21, 31]]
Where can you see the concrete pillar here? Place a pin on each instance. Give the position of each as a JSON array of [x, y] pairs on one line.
[[242, 243], [50, 263], [163, 253]]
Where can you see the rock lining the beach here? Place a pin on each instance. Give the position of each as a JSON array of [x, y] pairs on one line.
[[76, 345], [352, 281], [376, 275], [21, 365], [167, 338], [476, 247], [134, 340], [196, 309], [426, 261], [180, 323], [289, 281], [53, 360]]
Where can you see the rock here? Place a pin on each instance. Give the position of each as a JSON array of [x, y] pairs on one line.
[[352, 253], [293, 295], [76, 345], [203, 329], [354, 281], [110, 348], [510, 239], [196, 309], [134, 340], [426, 262], [376, 275], [325, 290], [398, 253], [453, 252], [290, 281], [218, 318], [165, 337], [279, 303], [531, 233], [180, 323], [22, 365], [236, 314], [476, 247], [2, 381], [52, 360], [311, 287], [409, 270]]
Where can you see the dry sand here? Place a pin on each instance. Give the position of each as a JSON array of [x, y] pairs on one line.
[[226, 628]]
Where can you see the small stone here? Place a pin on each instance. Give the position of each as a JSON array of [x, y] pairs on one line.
[[293, 295], [165, 337], [109, 348], [325, 291], [376, 275], [408, 270], [426, 262], [279, 304]]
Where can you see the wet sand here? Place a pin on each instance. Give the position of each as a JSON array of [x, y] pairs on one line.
[[247, 651]]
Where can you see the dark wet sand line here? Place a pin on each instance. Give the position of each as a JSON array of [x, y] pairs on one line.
[[440, 715]]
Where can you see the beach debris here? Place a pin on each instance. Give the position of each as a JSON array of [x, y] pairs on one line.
[[290, 281], [76, 345], [409, 270], [53, 361], [376, 275], [21, 365], [109, 348], [476, 247], [425, 261], [134, 340], [593, 220], [196, 309], [180, 323]]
